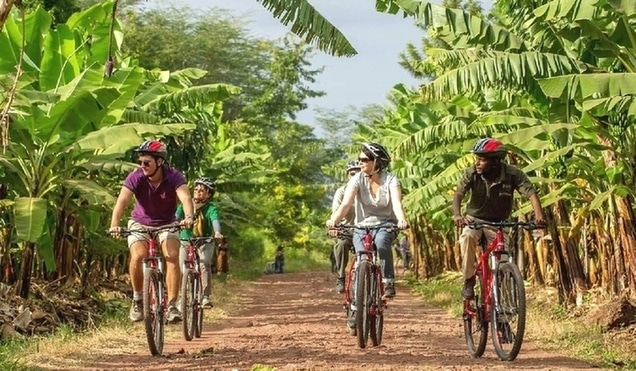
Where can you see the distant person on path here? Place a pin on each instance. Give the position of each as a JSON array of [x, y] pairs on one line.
[[279, 260], [492, 184], [403, 248]]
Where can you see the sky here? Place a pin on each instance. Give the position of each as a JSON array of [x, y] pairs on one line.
[[347, 81]]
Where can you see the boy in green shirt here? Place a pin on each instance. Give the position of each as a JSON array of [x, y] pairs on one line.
[[207, 221]]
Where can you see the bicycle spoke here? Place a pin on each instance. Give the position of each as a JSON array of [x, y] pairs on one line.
[[508, 317]]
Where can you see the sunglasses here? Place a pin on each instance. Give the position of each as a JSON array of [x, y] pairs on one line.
[[144, 163], [352, 173], [364, 159]]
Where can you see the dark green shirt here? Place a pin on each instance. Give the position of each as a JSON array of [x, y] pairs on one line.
[[209, 212], [492, 201]]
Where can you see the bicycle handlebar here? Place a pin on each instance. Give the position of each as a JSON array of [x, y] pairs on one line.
[[505, 224], [345, 227], [173, 227], [197, 241]]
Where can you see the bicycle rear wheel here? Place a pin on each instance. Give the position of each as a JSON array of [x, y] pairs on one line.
[[198, 308], [362, 302], [188, 303], [476, 323], [377, 309], [508, 319], [153, 310]]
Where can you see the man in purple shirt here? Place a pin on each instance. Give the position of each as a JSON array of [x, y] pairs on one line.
[[158, 188]]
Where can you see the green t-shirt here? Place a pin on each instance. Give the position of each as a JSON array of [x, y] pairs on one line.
[[493, 201], [209, 212]]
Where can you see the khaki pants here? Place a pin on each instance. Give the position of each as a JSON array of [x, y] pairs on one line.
[[468, 241]]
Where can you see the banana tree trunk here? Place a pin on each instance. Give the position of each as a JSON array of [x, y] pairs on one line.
[[625, 222], [5, 10], [564, 280], [23, 285], [569, 242], [627, 236]]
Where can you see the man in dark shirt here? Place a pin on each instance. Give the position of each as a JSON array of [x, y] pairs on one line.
[[492, 184]]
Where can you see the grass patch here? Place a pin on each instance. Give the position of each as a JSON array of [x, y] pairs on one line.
[[443, 291], [8, 349], [548, 323]]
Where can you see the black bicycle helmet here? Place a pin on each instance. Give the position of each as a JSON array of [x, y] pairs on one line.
[[153, 148], [489, 147], [378, 153], [206, 182], [353, 165]]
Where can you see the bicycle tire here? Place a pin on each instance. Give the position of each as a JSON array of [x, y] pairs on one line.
[[512, 300], [153, 310], [362, 302], [350, 299], [188, 301], [377, 317], [198, 310], [477, 323]]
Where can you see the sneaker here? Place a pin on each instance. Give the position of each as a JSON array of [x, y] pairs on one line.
[[206, 303], [468, 292], [389, 290], [351, 319], [340, 285], [136, 311], [174, 315], [353, 331]]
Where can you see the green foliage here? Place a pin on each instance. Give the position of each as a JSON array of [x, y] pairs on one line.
[[308, 23], [8, 349]]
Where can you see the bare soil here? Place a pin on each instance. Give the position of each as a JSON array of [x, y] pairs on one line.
[[296, 322]]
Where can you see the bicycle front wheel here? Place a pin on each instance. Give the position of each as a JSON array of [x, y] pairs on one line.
[[376, 317], [188, 301], [475, 322], [363, 283], [153, 310], [508, 318]]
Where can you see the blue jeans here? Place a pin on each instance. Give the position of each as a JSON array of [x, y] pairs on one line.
[[383, 241]]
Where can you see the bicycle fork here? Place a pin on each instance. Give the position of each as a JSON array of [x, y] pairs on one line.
[[156, 263]]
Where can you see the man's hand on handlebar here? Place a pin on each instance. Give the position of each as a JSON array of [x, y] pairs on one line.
[[459, 221], [402, 224], [115, 231]]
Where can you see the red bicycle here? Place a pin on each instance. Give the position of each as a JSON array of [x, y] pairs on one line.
[[364, 284], [192, 289], [500, 298], [155, 303]]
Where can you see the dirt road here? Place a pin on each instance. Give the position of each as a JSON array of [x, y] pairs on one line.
[[296, 322]]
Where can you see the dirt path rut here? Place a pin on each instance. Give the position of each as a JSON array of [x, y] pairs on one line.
[[296, 322]]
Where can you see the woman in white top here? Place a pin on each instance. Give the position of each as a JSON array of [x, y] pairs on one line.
[[378, 197]]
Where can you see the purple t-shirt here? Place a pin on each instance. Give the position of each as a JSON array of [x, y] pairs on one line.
[[155, 207]]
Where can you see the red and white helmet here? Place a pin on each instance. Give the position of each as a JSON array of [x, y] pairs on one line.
[[489, 147], [153, 148]]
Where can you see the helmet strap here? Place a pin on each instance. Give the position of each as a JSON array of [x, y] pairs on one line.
[[159, 167]]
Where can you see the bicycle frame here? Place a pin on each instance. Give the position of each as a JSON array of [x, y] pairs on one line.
[[497, 303], [370, 253], [155, 261], [489, 258]]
